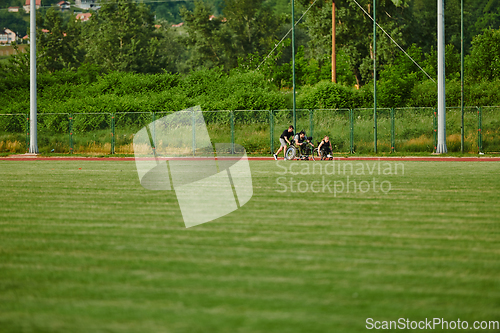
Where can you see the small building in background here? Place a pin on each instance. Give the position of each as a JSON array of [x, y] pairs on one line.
[[13, 9], [64, 5], [27, 7], [83, 16], [7, 36], [86, 4]]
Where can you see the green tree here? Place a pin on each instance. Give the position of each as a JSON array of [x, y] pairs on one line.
[[121, 36], [252, 24], [354, 32], [57, 42], [208, 39], [484, 61]]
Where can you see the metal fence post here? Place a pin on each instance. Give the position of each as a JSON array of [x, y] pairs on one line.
[[479, 129], [194, 133], [70, 127], [232, 132], [351, 116], [393, 132], [375, 139], [435, 123], [154, 128], [112, 133], [311, 125], [27, 132], [271, 127]]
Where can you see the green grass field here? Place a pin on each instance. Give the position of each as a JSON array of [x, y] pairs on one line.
[[84, 248]]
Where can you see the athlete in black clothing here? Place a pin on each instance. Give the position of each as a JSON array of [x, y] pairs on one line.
[[284, 139]]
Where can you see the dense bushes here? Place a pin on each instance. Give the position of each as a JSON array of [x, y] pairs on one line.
[[64, 92]]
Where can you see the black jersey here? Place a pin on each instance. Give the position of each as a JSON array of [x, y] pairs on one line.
[[286, 134]]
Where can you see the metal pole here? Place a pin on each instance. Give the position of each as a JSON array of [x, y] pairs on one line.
[[374, 76], [393, 132], [33, 121], [311, 125], [154, 130], [194, 134], [435, 129], [441, 145], [462, 75], [271, 125], [232, 132], [70, 133], [480, 129], [293, 65], [112, 133], [27, 133], [351, 114], [334, 54]]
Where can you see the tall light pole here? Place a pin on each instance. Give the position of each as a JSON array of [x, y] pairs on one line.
[[462, 74], [441, 145], [33, 130], [293, 66], [375, 75], [334, 54]]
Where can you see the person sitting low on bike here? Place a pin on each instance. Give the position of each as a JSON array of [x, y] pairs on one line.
[[301, 142], [325, 148]]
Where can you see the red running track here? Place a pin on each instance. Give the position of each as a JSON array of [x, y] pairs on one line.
[[353, 158]]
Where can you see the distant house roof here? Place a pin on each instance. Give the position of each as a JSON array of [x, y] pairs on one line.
[[37, 2], [83, 16], [13, 9]]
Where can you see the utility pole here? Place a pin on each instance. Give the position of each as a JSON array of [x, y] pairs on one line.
[[293, 66], [334, 54], [375, 76], [441, 145], [462, 75], [33, 130]]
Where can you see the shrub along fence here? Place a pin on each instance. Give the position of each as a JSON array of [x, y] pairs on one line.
[[350, 130]]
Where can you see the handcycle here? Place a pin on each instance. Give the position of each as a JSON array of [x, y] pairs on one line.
[[302, 153]]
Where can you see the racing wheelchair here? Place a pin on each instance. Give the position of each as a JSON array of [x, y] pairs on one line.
[[305, 152]]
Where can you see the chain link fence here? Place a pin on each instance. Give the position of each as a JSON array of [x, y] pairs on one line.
[[350, 130]]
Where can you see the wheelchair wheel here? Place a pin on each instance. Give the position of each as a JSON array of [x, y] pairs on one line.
[[314, 152], [291, 152]]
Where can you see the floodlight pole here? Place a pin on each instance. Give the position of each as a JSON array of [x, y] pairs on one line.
[[374, 76], [33, 130], [441, 145], [462, 75], [293, 66], [334, 54]]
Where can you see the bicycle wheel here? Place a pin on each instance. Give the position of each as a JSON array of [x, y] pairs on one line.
[[291, 152]]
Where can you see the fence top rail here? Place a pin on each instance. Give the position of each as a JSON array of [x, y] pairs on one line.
[[414, 107], [287, 110], [341, 109], [465, 107], [371, 109], [278, 110]]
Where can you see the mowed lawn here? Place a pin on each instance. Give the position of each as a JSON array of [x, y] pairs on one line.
[[84, 248]]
